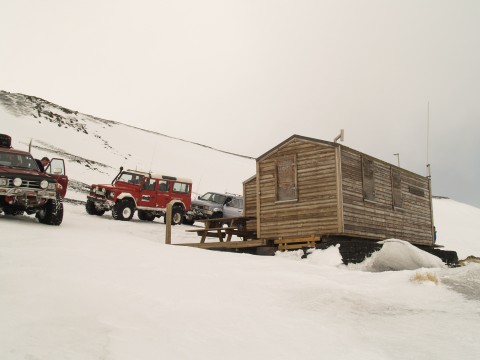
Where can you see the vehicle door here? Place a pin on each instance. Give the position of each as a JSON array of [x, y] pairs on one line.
[[182, 192], [56, 169], [233, 208], [148, 195], [163, 194]]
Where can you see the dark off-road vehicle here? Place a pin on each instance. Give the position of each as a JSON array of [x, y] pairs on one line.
[[148, 194], [214, 205], [24, 188]]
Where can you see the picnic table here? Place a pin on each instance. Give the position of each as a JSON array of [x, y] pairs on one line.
[[225, 228]]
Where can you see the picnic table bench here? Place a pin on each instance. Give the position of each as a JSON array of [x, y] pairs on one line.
[[216, 228]]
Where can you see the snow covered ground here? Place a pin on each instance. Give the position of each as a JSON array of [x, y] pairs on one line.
[[96, 288]]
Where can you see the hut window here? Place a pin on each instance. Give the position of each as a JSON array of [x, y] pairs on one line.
[[368, 170], [416, 191], [286, 178], [396, 188]]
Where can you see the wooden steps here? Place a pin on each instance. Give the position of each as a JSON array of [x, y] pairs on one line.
[[292, 243]]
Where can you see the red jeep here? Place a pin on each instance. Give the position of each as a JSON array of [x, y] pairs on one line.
[[25, 188], [147, 193]]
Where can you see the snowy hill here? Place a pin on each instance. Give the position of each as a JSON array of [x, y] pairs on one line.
[[95, 288], [96, 148]]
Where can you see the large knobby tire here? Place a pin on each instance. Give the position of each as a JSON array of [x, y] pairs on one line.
[[188, 221], [177, 216], [92, 210], [216, 215], [52, 213], [123, 210], [145, 215], [9, 211]]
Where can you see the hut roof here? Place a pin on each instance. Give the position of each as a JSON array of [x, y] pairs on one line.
[[295, 136]]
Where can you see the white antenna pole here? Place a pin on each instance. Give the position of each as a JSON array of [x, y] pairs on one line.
[[428, 138], [428, 130]]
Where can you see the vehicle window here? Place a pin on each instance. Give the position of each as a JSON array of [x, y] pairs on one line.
[[17, 160], [206, 197], [56, 166], [219, 199], [163, 186], [181, 187], [149, 184], [131, 178], [237, 203]]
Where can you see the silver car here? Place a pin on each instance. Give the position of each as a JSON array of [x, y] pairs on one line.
[[214, 205]]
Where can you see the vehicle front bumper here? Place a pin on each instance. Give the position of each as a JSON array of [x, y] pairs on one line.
[[199, 213], [25, 197], [101, 203]]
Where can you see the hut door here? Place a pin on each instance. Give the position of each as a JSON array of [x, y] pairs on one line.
[[286, 178]]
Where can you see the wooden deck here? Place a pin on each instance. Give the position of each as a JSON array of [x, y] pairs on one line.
[[230, 245], [223, 229]]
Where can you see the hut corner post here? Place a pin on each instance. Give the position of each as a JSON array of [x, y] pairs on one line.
[[340, 217], [434, 240]]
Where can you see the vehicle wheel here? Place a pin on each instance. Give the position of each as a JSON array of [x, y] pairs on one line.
[[217, 215], [9, 211], [177, 216], [52, 213], [123, 210], [188, 221], [145, 215], [92, 210]]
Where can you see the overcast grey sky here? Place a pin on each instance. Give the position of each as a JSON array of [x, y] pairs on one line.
[[245, 75]]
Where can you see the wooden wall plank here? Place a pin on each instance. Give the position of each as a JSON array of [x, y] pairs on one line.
[[380, 219], [316, 209]]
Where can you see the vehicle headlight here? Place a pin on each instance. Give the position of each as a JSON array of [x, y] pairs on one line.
[[17, 182], [44, 184], [3, 182], [111, 194], [51, 186]]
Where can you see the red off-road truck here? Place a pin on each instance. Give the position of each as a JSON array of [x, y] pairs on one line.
[[24, 188], [146, 193]]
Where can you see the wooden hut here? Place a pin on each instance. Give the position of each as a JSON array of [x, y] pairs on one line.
[[306, 187]]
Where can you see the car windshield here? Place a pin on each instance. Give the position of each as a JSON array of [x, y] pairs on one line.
[[217, 198], [131, 178], [21, 161]]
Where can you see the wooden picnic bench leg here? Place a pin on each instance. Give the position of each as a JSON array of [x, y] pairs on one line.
[[204, 235], [229, 236], [220, 235]]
